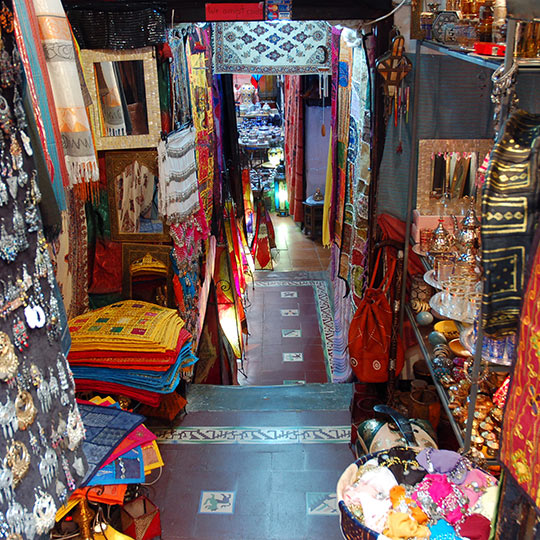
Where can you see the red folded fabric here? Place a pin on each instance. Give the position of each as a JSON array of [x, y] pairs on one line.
[[144, 396], [475, 527]]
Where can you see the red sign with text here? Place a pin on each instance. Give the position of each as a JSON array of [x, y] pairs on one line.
[[252, 11]]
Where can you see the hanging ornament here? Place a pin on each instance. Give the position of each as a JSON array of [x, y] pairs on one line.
[[393, 66]]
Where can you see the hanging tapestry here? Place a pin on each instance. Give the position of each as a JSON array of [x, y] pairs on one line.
[[520, 433], [71, 257], [510, 213], [35, 67], [198, 59], [359, 163], [178, 187], [272, 47], [294, 145], [343, 118], [77, 139], [331, 181]]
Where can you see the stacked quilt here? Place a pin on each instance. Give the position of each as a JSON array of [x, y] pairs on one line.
[[131, 348]]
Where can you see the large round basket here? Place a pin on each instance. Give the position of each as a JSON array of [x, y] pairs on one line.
[[351, 527]]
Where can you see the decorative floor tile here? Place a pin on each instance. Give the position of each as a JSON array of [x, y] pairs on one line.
[[289, 294], [294, 381], [291, 333], [254, 435], [290, 312], [293, 357], [321, 504], [217, 502]]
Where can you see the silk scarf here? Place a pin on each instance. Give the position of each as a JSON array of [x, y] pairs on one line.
[[56, 38], [510, 213]]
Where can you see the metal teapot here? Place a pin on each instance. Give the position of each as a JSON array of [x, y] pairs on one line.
[[467, 234]]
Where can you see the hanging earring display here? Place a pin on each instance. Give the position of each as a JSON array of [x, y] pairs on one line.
[[18, 109], [9, 362], [34, 315], [19, 229], [75, 428], [44, 512], [18, 460], [13, 186], [25, 410], [48, 466], [6, 485], [4, 197], [20, 336], [8, 419], [69, 477], [15, 518]]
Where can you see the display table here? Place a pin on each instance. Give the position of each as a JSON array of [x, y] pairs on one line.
[[313, 218]]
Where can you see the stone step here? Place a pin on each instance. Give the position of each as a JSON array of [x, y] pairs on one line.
[[298, 397]]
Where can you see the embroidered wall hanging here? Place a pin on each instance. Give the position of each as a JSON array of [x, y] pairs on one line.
[[272, 47]]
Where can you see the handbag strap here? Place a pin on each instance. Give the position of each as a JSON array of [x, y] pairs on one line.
[[385, 284]]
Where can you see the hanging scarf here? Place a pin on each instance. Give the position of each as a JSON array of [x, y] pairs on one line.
[[510, 213], [178, 187], [72, 117], [35, 67]]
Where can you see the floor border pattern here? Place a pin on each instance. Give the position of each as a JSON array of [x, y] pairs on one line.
[[254, 435]]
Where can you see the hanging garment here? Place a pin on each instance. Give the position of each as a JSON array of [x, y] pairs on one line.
[[261, 241], [519, 439], [135, 194], [178, 187], [179, 78], [510, 213], [77, 139]]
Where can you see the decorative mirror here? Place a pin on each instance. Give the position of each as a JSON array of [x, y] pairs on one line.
[[125, 101], [448, 167], [147, 273], [132, 184]]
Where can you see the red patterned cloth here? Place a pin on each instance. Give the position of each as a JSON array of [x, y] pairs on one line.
[[520, 438]]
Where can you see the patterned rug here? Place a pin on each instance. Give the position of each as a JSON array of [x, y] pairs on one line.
[[272, 47]]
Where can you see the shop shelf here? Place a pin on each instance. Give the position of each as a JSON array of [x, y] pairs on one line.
[[426, 349]]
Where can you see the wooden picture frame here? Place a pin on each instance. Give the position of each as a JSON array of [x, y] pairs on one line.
[[147, 55], [115, 164], [135, 252]]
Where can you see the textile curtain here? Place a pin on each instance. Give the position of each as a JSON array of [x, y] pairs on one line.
[[294, 146]]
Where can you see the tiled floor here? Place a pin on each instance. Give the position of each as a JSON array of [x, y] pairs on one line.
[[280, 489], [262, 462], [295, 250]]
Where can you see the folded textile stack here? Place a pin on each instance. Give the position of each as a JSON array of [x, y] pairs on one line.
[[131, 348], [119, 450]]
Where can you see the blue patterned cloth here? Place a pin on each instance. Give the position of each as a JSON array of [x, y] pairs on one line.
[[106, 428]]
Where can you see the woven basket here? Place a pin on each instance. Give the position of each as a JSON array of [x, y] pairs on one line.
[[351, 527]]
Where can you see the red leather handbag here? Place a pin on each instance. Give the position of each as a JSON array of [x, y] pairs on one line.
[[370, 332]]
